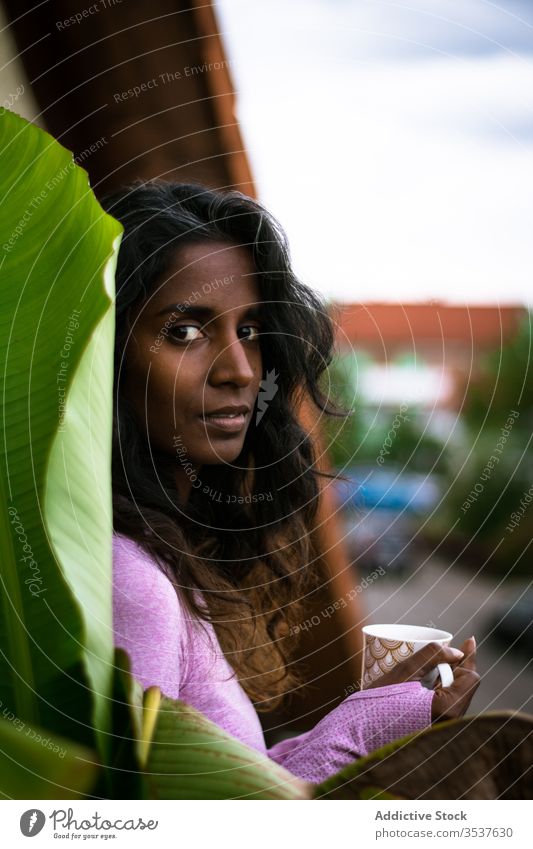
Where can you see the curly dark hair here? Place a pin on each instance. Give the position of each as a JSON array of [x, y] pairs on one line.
[[252, 559]]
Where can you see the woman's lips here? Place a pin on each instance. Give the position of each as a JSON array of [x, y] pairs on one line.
[[230, 424]]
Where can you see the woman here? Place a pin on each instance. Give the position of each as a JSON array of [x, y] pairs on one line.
[[214, 484]]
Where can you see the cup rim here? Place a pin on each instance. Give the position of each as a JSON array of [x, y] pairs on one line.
[[406, 633]]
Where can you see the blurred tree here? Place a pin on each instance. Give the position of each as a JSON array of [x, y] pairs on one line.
[[360, 439], [492, 472], [503, 382]]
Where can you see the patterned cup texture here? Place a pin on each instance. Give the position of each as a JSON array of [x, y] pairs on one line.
[[381, 655]]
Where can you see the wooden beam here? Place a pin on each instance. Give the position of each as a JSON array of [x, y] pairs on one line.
[[134, 89]]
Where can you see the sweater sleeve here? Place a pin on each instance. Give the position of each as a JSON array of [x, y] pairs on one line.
[[364, 721], [147, 618]]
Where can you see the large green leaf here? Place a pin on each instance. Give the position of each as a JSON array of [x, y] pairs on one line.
[[192, 758], [122, 777], [35, 764], [57, 255], [489, 756]]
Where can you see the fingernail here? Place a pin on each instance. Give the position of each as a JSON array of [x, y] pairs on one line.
[[457, 652], [473, 639]]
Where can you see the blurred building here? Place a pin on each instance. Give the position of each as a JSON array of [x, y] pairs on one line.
[[421, 352]]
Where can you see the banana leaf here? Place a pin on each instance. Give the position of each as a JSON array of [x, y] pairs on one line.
[[35, 764], [122, 777], [489, 756], [57, 256], [189, 757]]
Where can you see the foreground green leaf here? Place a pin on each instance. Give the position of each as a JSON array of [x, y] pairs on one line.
[[57, 255], [192, 758], [489, 756], [121, 777], [35, 764]]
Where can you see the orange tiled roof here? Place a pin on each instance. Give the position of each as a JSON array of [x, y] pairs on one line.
[[378, 324]]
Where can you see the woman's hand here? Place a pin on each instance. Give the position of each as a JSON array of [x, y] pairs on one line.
[[448, 702], [452, 702]]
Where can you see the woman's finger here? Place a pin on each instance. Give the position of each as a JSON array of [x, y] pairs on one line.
[[454, 701], [418, 665], [465, 681], [427, 658], [469, 649]]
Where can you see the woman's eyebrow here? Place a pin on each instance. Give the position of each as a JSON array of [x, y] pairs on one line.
[[253, 311]]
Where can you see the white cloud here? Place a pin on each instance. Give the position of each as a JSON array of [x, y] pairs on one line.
[[394, 179]]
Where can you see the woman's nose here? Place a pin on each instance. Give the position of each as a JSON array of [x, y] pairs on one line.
[[233, 364]]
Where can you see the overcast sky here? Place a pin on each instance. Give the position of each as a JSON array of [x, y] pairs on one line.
[[393, 141]]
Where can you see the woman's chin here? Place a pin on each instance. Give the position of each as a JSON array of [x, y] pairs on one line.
[[222, 458], [219, 453]]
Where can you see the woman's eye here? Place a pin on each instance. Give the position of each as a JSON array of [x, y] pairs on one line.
[[182, 329], [256, 332], [179, 332]]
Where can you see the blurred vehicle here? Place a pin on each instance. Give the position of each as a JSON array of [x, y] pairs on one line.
[[381, 511], [512, 625]]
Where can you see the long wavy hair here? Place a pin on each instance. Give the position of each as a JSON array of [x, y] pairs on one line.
[[243, 563]]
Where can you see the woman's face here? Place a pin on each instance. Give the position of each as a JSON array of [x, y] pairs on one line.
[[194, 349]]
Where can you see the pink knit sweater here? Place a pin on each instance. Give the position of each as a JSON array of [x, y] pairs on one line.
[[170, 650]]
